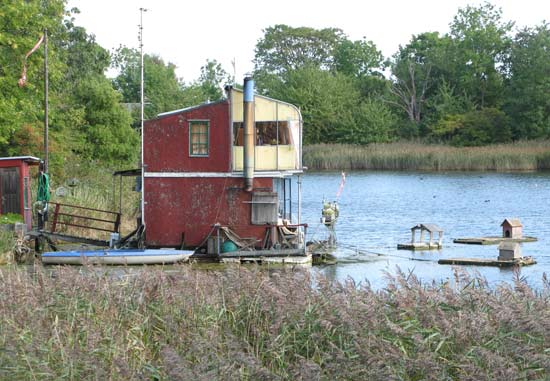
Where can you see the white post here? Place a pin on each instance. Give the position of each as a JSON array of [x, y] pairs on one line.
[[299, 209], [142, 165]]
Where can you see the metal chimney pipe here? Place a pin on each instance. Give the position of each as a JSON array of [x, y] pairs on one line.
[[248, 134]]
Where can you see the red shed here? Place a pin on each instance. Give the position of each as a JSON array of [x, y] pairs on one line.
[[229, 163], [15, 186]]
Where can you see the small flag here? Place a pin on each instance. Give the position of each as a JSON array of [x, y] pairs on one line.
[[341, 187], [23, 80]]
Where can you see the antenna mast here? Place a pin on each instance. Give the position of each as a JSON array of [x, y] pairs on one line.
[[141, 10]]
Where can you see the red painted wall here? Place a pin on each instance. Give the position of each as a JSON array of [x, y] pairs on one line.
[[166, 141], [24, 171], [192, 205]]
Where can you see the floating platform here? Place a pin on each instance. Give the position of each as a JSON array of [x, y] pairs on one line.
[[492, 240], [302, 260], [419, 246], [525, 261], [116, 257]]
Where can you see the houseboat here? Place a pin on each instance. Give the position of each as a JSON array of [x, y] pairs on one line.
[[225, 177]]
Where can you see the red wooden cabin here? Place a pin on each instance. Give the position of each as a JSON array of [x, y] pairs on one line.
[[15, 179], [217, 164]]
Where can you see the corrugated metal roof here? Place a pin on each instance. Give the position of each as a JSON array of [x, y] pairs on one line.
[[429, 227], [513, 222], [167, 113], [25, 158]]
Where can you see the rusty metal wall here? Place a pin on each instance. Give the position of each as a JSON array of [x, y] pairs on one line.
[[166, 141], [192, 205], [16, 202]]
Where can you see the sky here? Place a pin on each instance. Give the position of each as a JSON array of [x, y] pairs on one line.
[[187, 33]]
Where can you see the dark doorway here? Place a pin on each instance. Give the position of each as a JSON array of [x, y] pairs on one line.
[[9, 191], [507, 233]]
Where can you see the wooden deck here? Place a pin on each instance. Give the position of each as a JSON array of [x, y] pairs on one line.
[[525, 261], [492, 240]]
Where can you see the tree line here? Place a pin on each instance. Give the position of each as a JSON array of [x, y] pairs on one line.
[[482, 82]]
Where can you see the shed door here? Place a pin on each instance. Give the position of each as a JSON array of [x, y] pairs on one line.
[[9, 190]]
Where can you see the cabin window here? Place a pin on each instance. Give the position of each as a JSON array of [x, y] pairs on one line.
[[198, 137], [266, 133]]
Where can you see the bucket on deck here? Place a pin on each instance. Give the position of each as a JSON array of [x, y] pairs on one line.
[[228, 247]]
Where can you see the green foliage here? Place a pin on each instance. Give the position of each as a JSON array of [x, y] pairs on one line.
[[108, 132], [480, 46], [284, 48], [22, 23], [162, 88], [358, 58], [528, 103], [212, 80], [374, 122], [475, 128], [326, 100], [477, 84]]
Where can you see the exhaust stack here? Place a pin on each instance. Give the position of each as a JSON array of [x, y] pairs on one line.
[[248, 134]]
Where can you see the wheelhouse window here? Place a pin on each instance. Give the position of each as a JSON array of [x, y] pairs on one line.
[[198, 137]]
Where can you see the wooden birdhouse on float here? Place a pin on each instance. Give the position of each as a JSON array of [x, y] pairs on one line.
[[509, 251], [421, 244], [512, 228], [223, 171]]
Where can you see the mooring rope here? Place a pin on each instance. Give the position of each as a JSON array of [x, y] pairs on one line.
[[362, 251]]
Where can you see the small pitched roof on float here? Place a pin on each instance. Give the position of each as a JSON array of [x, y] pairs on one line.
[[513, 222], [429, 227]]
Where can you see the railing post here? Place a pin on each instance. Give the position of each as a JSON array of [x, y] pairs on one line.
[[117, 223], [55, 214]]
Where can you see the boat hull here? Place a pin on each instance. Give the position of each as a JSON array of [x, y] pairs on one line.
[[116, 257]]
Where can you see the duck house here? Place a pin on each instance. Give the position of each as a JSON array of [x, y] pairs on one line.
[[512, 228], [509, 251]]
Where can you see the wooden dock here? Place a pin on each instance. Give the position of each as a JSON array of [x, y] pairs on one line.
[[492, 240], [281, 256], [525, 261]]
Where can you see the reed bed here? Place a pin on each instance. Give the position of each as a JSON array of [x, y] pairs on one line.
[[519, 156], [246, 324]]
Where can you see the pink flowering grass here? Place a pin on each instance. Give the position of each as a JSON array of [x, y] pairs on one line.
[[251, 324]]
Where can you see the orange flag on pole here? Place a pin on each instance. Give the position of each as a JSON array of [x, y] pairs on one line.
[[23, 80]]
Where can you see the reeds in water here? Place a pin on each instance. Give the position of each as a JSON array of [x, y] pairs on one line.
[[246, 324], [519, 156]]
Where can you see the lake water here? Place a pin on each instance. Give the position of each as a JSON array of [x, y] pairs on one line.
[[377, 210]]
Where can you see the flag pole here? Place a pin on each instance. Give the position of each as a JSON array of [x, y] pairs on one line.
[[46, 85], [142, 98]]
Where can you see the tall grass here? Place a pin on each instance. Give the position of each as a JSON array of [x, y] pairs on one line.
[[7, 242], [524, 156], [244, 324], [91, 186]]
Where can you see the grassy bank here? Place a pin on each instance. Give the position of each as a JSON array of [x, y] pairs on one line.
[[250, 325], [524, 156]]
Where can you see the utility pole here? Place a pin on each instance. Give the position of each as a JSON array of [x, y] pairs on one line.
[[46, 84], [142, 97]]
